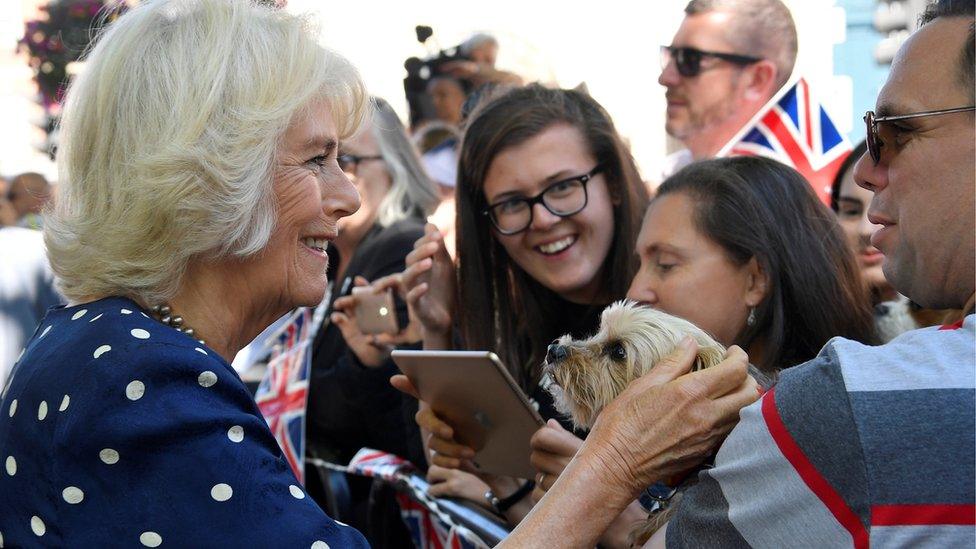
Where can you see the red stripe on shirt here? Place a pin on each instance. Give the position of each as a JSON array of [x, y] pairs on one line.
[[923, 515], [953, 326], [811, 477]]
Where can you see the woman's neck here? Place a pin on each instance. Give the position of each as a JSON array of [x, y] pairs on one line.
[[222, 309]]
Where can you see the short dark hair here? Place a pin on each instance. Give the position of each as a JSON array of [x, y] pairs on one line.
[[502, 304], [967, 58], [758, 208], [761, 28]]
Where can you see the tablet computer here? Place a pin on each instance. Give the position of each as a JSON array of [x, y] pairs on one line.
[[474, 393]]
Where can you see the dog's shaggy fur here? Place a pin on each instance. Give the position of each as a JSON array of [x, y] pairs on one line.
[[586, 375], [590, 373]]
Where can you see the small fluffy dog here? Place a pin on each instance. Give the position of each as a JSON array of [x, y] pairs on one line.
[[586, 375]]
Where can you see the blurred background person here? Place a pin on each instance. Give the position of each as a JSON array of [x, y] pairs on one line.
[[8, 214], [447, 94], [28, 194], [26, 291]]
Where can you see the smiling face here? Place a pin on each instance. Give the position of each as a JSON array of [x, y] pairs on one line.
[[564, 254], [686, 274], [311, 194], [923, 184]]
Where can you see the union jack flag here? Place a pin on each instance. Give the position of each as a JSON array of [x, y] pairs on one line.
[[283, 392], [795, 129]]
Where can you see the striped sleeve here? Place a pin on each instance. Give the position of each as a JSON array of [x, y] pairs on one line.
[[792, 472]]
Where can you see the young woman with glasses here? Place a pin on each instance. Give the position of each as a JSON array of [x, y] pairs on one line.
[[549, 202]]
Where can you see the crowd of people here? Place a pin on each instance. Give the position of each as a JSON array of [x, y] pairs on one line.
[[202, 198]]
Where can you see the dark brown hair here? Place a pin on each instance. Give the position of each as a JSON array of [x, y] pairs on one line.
[[502, 307], [757, 207]]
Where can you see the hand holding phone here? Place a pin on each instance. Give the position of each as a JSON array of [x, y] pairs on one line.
[[375, 312]]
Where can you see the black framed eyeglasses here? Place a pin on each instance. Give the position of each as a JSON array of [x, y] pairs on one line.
[[349, 162], [563, 198], [688, 61], [876, 137]]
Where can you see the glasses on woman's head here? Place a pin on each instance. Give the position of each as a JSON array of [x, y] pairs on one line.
[[880, 130], [349, 162], [688, 61], [563, 198]]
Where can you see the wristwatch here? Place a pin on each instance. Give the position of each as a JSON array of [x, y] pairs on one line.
[[504, 504]]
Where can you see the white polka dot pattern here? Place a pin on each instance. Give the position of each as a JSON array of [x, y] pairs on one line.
[[109, 456], [101, 350], [79, 314], [64, 403], [73, 495], [11, 466], [221, 492], [37, 525], [207, 379], [44, 333], [139, 333], [99, 315], [134, 390], [199, 350], [151, 539], [13, 408], [235, 433], [42, 410], [126, 312], [296, 492], [320, 545]]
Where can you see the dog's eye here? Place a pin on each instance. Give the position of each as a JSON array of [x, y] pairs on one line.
[[617, 352]]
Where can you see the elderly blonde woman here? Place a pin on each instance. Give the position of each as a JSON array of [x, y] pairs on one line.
[[199, 175]]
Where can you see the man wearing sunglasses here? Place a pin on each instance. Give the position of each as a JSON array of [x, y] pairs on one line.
[[727, 60], [863, 445]]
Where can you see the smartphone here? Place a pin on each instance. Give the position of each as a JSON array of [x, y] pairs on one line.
[[375, 313]]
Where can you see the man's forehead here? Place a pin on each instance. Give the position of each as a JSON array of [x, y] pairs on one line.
[[705, 31], [924, 72]]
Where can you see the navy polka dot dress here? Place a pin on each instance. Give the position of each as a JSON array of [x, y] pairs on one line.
[[116, 430]]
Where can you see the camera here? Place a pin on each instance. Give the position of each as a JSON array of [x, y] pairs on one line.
[[421, 71]]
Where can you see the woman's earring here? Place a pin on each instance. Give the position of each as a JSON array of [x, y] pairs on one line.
[[751, 319]]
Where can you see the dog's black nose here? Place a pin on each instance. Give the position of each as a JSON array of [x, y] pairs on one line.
[[556, 353]]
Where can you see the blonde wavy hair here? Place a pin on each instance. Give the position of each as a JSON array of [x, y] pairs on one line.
[[169, 139]]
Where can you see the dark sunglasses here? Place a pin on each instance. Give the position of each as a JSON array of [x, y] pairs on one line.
[[688, 60], [875, 138], [349, 162]]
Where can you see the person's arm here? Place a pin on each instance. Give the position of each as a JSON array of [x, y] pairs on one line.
[[660, 425], [793, 466]]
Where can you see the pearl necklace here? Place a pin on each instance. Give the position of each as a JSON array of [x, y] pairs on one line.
[[164, 314]]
